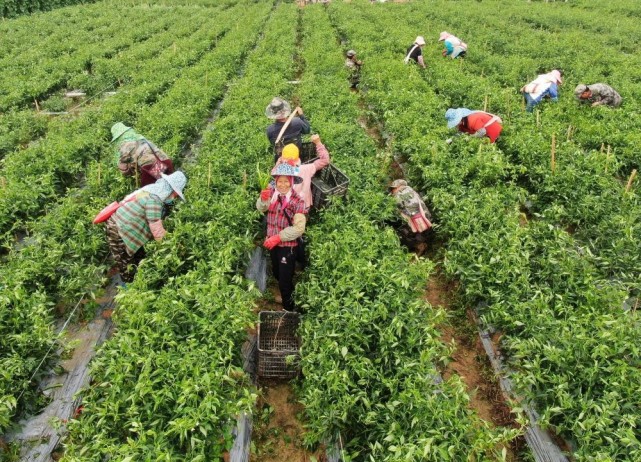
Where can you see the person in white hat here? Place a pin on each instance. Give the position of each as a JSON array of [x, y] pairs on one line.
[[137, 156], [279, 110], [139, 220], [598, 94], [415, 53], [544, 86], [353, 65], [286, 219], [454, 46]]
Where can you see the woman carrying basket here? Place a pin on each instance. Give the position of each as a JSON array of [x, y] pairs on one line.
[[285, 226], [136, 156]]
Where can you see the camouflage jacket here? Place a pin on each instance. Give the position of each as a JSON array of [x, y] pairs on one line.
[[409, 202], [138, 153], [604, 94]]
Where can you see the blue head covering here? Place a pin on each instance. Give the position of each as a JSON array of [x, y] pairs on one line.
[[454, 116]]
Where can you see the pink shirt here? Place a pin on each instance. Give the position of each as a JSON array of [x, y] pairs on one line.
[[307, 171]]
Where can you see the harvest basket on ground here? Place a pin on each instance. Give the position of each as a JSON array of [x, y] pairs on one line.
[[278, 345]]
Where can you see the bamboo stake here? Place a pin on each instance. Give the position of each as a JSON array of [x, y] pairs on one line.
[[209, 175], [602, 147], [607, 158], [37, 105], [553, 153], [485, 104], [99, 172], [636, 305], [538, 118], [630, 180], [137, 180], [508, 103], [3, 182], [569, 132]]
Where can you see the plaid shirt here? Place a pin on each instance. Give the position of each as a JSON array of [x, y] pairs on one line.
[[276, 220], [133, 220]]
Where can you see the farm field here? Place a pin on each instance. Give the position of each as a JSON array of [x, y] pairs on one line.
[[538, 237]]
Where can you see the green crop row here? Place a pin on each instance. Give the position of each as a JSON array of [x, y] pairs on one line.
[[63, 256], [13, 8], [569, 343], [371, 350], [182, 321]]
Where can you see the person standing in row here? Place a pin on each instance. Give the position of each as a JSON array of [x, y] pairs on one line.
[[415, 53], [136, 156], [475, 123], [353, 65], [279, 110], [139, 220], [598, 94], [544, 86], [286, 221], [291, 155], [454, 47]]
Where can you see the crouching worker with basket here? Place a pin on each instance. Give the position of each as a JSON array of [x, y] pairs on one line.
[[138, 219], [285, 227], [136, 156], [415, 213]]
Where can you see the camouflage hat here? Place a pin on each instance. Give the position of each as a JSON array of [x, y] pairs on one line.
[[278, 109], [578, 91], [397, 184], [351, 53]]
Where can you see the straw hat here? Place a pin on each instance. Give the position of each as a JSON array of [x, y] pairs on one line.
[[278, 109]]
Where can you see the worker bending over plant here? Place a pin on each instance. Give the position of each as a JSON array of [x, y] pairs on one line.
[[139, 220], [544, 86], [285, 227], [354, 67], [136, 156], [291, 155], [279, 110], [476, 123], [599, 94], [454, 46], [415, 52], [415, 213]]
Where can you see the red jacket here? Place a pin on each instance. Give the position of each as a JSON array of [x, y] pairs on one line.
[[477, 120]]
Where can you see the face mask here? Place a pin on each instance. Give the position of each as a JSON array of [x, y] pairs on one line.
[[170, 201]]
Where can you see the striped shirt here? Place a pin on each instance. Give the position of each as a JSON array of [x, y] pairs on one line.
[[133, 220], [276, 220]]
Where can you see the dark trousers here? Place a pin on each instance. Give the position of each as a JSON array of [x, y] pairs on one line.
[[283, 266]]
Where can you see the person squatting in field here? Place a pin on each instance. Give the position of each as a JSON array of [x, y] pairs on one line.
[[598, 94], [415, 53], [286, 219], [415, 213], [139, 220], [279, 110], [353, 65], [291, 155], [544, 86], [136, 156], [454, 46], [476, 123]]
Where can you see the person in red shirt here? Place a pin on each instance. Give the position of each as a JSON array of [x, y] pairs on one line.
[[476, 123]]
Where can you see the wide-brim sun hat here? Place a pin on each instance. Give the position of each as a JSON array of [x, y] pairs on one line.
[[443, 36], [285, 169], [278, 109], [420, 40], [177, 181], [117, 130], [454, 116]]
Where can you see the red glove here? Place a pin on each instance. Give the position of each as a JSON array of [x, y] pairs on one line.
[[265, 194], [272, 242]]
